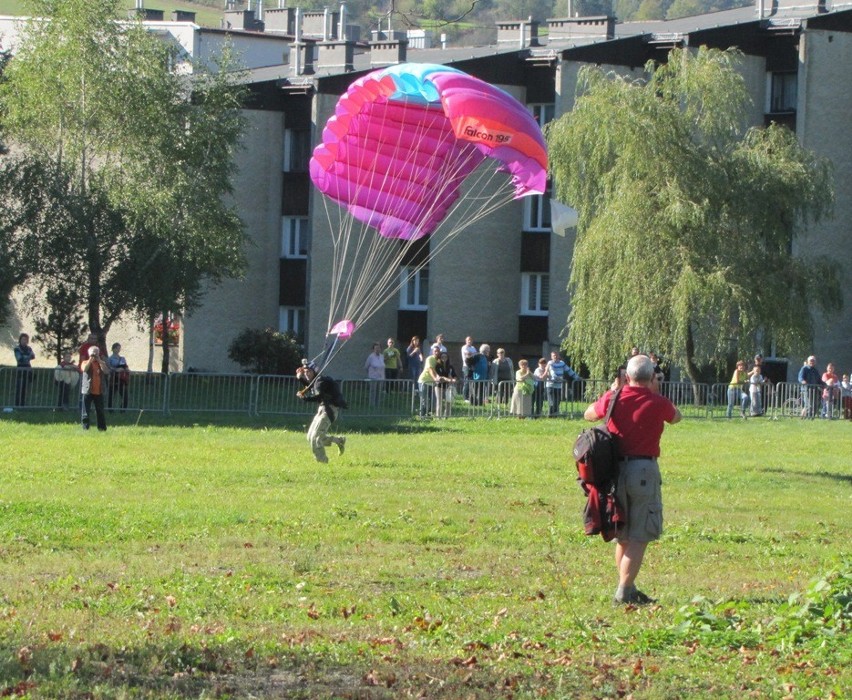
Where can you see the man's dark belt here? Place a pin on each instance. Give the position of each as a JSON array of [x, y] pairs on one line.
[[632, 458]]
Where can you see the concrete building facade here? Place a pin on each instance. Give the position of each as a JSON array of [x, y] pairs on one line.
[[504, 280]]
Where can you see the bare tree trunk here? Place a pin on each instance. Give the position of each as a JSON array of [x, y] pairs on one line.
[[691, 367], [165, 366], [151, 343]]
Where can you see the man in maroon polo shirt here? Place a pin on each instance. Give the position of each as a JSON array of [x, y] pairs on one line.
[[637, 422]]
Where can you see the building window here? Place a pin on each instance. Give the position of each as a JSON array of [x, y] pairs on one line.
[[543, 112], [782, 92], [537, 211], [537, 207], [295, 237], [297, 150], [291, 318], [414, 288], [535, 293]]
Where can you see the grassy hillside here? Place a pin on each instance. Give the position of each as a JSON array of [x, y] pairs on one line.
[[206, 16]]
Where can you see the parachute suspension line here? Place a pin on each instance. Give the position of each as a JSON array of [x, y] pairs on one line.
[[389, 279], [385, 277], [377, 258], [377, 275]]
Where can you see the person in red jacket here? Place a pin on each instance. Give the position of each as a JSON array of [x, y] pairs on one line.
[[637, 422]]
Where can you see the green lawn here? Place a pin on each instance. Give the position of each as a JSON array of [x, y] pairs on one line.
[[434, 559]]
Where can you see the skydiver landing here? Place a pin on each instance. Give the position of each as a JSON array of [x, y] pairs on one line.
[[325, 391]]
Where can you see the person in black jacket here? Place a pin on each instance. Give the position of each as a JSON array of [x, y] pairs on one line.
[[325, 391]]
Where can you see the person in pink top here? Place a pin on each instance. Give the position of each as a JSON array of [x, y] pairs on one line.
[[637, 422], [831, 392]]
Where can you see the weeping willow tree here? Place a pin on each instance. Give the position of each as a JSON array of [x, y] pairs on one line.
[[686, 218]]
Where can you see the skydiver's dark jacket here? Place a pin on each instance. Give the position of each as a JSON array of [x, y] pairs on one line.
[[327, 392]]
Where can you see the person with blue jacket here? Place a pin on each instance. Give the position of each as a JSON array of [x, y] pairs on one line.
[[24, 356], [558, 374], [810, 380]]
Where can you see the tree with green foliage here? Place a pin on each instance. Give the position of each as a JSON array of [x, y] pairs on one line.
[[10, 255], [685, 8], [686, 218], [60, 328], [133, 151], [651, 9], [266, 351]]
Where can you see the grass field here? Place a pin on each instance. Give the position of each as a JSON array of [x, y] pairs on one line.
[[433, 560]]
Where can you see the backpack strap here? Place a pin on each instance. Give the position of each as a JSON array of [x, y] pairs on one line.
[[612, 405]]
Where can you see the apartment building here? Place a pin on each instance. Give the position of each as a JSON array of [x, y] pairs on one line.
[[503, 281]]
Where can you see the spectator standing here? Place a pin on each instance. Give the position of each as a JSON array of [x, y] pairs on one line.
[[540, 375], [119, 377], [95, 375], [24, 357], [737, 389], [374, 365], [439, 343], [65, 376], [637, 422], [445, 387], [414, 353], [393, 362], [427, 381], [756, 381], [522, 394], [558, 373], [846, 396], [831, 392], [480, 369], [767, 387], [657, 366], [467, 352], [810, 381], [503, 372], [90, 342]]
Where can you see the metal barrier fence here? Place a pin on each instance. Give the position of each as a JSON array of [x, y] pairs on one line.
[[41, 388]]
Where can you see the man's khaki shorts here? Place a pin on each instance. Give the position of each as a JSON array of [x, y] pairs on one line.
[[639, 491]]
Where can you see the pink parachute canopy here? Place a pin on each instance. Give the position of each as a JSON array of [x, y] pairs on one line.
[[403, 139]]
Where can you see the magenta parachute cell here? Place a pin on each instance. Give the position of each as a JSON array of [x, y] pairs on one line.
[[403, 139]]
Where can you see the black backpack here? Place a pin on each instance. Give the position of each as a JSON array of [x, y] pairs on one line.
[[596, 453]]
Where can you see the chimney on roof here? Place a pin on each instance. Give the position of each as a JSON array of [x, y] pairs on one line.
[[388, 51], [337, 55], [183, 16], [518, 31], [600, 27], [242, 19], [344, 15], [280, 19]]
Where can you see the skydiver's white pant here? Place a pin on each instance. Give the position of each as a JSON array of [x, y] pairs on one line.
[[318, 436]]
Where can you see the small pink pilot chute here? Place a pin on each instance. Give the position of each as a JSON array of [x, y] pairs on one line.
[[342, 329]]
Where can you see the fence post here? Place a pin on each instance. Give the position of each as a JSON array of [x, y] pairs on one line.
[[166, 394], [254, 391]]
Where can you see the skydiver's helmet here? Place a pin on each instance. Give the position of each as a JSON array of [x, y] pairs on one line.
[[306, 373]]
